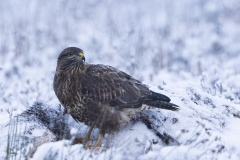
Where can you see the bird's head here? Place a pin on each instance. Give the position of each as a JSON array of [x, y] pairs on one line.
[[70, 57]]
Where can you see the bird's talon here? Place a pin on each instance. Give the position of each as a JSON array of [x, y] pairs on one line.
[[92, 147], [97, 147], [78, 140], [88, 147]]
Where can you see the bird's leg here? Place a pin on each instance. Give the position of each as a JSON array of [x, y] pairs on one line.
[[99, 140], [98, 144], [88, 136]]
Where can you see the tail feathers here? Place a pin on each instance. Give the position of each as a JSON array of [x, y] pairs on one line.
[[157, 96], [162, 105]]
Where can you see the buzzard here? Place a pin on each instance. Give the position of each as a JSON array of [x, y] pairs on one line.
[[101, 96]]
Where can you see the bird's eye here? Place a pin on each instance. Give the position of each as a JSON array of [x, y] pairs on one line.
[[70, 54]]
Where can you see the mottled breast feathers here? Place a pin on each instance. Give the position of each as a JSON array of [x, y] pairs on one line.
[[107, 84]]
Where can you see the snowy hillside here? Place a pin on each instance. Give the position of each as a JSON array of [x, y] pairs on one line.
[[187, 50]]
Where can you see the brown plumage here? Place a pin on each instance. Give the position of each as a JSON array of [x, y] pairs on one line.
[[100, 95]]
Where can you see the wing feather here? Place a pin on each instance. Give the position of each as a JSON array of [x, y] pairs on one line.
[[107, 84]]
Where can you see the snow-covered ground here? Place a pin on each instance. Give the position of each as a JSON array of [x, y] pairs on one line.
[[187, 50]]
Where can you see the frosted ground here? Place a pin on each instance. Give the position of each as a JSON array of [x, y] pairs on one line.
[[188, 50]]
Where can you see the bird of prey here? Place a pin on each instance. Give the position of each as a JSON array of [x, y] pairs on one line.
[[101, 96]]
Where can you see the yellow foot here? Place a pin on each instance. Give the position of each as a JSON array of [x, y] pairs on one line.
[[98, 143], [87, 143], [92, 147], [97, 147], [77, 140], [88, 147], [81, 140]]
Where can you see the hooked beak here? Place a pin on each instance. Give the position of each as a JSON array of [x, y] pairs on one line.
[[81, 56]]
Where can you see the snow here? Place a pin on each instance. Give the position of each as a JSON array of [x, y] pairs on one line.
[[187, 50]]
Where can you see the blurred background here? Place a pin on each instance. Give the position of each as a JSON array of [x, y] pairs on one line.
[[147, 39]]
